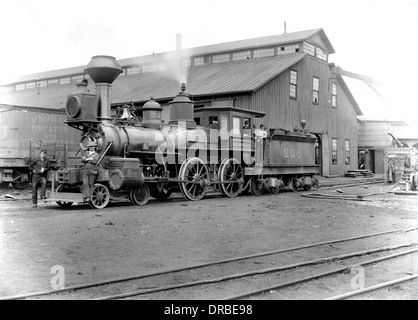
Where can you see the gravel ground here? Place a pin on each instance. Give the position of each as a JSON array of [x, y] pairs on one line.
[[87, 245]]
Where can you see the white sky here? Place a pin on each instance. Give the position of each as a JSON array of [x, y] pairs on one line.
[[377, 38]]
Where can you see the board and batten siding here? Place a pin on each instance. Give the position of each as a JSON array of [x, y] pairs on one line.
[[322, 119]]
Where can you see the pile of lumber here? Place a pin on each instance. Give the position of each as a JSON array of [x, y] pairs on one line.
[[359, 173]]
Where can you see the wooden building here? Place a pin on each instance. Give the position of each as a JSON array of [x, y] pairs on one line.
[[286, 76], [377, 137]]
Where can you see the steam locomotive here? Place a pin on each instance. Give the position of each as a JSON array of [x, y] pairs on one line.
[[195, 151]]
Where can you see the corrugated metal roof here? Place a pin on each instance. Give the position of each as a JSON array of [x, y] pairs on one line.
[[210, 79], [235, 45], [187, 52], [216, 78]]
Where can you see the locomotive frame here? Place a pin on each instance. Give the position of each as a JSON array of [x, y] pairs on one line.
[[196, 150]]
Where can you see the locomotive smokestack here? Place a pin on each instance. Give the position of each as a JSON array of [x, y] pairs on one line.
[[103, 70]]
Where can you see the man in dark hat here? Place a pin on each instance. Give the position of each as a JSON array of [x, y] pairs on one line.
[[39, 166], [90, 159]]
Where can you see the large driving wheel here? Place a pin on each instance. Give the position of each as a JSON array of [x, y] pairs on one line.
[[256, 186], [64, 204], [140, 196], [231, 173], [194, 175], [100, 196]]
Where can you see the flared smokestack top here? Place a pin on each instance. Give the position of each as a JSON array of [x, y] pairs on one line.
[[103, 69]]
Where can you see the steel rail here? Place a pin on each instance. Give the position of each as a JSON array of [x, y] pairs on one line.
[[354, 197], [372, 288], [320, 275], [196, 266], [252, 273]]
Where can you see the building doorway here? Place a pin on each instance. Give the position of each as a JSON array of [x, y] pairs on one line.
[[318, 152]]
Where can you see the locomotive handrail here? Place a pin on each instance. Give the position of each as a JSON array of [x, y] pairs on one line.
[[109, 144]]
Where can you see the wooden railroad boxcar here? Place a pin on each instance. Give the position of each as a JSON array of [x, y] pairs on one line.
[[27, 130]]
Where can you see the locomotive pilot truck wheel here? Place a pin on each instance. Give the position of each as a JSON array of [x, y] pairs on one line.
[[140, 196], [64, 204], [100, 196]]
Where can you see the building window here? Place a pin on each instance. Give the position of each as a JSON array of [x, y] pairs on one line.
[[163, 66], [347, 151], [334, 151], [241, 55], [321, 54], [30, 85], [52, 82], [7, 89], [267, 52], [293, 84], [41, 83], [217, 58], [65, 80], [309, 48], [149, 68], [292, 48], [20, 86], [315, 90], [201, 60], [334, 95], [133, 70], [76, 79], [186, 63]]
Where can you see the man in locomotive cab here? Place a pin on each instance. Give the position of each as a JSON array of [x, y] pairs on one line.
[[246, 128], [39, 167], [90, 159]]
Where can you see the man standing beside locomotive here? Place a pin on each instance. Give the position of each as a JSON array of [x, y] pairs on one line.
[[39, 167], [90, 159]]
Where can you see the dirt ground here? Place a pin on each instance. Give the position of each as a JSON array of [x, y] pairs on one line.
[[90, 245]]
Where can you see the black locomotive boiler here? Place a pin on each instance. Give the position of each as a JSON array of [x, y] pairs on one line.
[[195, 151]]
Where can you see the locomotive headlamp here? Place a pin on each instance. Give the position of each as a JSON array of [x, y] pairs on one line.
[[73, 106], [80, 105]]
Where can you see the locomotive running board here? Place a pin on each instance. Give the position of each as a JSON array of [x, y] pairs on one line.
[[285, 169], [64, 196]]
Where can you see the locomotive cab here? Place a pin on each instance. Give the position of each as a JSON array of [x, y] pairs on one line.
[[234, 125]]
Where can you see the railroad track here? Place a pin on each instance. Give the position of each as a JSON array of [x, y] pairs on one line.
[[204, 280]]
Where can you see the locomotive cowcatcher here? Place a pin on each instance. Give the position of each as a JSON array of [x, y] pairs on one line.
[[195, 151]]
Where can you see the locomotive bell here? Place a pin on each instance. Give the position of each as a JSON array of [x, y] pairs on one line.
[[151, 113], [182, 109]]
